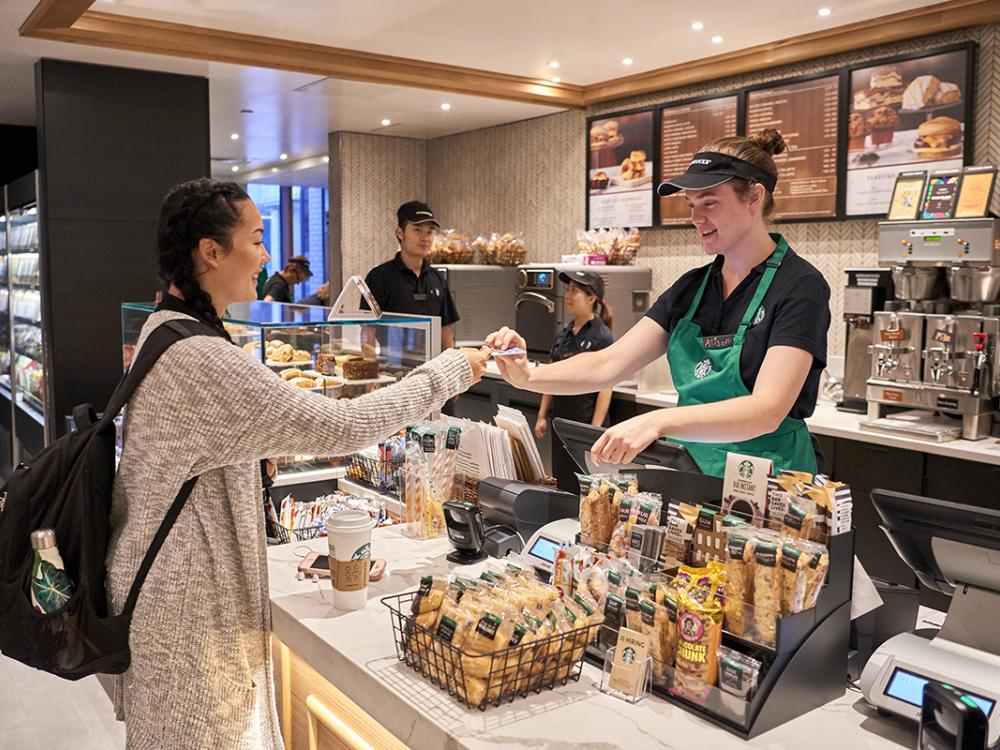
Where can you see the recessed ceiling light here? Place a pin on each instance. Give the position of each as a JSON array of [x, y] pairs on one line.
[[235, 168], [824, 11], [274, 169], [697, 26], [716, 40], [283, 157], [445, 106], [386, 122], [554, 64], [326, 159], [556, 79], [234, 136], [627, 61]]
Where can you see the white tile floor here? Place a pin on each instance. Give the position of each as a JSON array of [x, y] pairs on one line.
[[42, 712]]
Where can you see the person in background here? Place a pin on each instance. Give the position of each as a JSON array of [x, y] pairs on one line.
[[407, 283], [588, 331], [279, 287], [201, 674], [320, 297], [745, 335]]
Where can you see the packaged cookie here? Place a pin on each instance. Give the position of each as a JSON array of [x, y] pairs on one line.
[[766, 589], [491, 632], [428, 600], [699, 634], [738, 677]]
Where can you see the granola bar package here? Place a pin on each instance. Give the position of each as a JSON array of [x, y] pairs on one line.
[[766, 589], [739, 579]]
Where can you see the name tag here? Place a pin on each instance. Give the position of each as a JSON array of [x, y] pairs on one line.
[[717, 342], [419, 297]]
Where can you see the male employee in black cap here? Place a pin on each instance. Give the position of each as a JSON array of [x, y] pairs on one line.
[[407, 283], [745, 335], [279, 287]]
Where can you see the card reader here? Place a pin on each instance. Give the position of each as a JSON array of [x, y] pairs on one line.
[[540, 551]]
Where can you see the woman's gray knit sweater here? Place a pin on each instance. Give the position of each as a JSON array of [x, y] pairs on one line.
[[201, 670]]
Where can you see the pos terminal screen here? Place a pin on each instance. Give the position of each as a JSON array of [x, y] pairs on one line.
[[909, 688], [544, 549]]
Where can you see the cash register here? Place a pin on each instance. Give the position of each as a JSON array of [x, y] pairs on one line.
[[954, 549]]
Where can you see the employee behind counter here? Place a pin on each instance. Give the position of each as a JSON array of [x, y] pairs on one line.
[[745, 335], [407, 284]]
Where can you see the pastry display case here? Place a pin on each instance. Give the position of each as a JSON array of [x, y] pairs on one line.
[[345, 357]]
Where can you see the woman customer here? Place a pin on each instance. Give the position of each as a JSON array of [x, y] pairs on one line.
[[201, 672], [745, 335], [588, 331]]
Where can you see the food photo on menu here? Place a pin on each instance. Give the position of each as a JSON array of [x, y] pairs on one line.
[[620, 170], [907, 114]]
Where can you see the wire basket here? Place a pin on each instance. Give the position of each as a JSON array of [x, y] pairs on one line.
[[383, 476], [481, 680], [285, 535]]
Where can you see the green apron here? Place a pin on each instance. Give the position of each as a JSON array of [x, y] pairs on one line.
[[708, 370]]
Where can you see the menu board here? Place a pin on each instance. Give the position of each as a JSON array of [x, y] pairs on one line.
[[805, 113], [620, 165], [904, 115], [906, 196], [684, 129], [940, 194], [975, 193]]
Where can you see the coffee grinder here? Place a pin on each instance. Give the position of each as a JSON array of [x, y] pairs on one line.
[[866, 292]]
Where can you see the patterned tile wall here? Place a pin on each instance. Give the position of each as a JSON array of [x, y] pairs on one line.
[[529, 175], [370, 176]]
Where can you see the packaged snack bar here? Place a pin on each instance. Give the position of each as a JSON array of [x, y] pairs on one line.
[[794, 564], [619, 537], [562, 568], [816, 575], [738, 677], [429, 598], [767, 589], [655, 623], [699, 634], [739, 579], [633, 596], [680, 523]]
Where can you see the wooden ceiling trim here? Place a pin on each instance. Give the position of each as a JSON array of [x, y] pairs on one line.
[[55, 14]]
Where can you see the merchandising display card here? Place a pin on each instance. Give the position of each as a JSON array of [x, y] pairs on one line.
[[744, 488], [941, 194], [906, 196], [975, 192]]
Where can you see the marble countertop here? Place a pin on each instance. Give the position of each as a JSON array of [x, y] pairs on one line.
[[355, 651]]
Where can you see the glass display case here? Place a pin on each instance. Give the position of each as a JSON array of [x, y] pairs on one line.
[[345, 357], [4, 313]]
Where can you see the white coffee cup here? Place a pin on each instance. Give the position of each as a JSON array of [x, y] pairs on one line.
[[349, 534]]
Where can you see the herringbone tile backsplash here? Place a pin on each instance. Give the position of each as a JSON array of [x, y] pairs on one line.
[[529, 176]]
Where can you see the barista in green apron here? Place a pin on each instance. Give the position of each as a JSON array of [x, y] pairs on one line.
[[745, 336]]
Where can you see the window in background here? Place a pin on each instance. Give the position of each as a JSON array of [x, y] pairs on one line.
[[309, 233], [268, 200]]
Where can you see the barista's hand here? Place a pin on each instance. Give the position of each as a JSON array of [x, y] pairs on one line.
[[477, 361], [513, 369], [541, 427], [623, 442]]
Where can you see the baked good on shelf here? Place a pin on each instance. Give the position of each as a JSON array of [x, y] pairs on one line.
[[882, 123], [301, 355], [282, 354], [939, 137], [360, 369], [302, 382], [290, 373], [251, 346], [921, 92], [857, 129], [886, 77]]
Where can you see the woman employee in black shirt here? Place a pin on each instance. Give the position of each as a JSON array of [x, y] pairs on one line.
[[588, 331], [745, 335]]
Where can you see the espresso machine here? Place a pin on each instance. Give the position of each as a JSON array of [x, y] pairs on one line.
[[934, 347], [866, 293]]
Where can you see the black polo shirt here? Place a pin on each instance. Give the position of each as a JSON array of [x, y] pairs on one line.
[[593, 335], [277, 288], [397, 289], [796, 312]]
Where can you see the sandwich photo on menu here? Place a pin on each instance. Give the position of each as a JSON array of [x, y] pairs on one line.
[[975, 192], [906, 196], [939, 198]]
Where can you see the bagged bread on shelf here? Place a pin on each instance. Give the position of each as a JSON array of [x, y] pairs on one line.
[[505, 249]]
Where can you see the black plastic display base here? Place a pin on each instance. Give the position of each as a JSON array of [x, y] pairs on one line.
[[465, 556], [853, 405]]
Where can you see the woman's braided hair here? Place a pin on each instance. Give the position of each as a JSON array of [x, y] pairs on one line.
[[192, 211]]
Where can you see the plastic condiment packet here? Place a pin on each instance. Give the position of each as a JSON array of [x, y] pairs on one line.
[[512, 352]]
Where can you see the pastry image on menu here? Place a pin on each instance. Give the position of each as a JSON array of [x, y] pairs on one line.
[[975, 192], [940, 195], [906, 196]]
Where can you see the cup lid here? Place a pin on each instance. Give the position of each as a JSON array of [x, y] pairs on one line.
[[350, 520]]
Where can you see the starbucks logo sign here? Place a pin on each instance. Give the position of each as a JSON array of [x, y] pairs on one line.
[[628, 656], [746, 469], [703, 368]]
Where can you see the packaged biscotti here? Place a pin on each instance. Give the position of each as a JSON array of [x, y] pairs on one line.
[[739, 579], [655, 622], [818, 565], [766, 589]]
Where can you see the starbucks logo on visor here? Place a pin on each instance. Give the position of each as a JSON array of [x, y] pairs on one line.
[[703, 368]]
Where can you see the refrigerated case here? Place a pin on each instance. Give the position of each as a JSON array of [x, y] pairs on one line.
[[398, 342], [25, 376]]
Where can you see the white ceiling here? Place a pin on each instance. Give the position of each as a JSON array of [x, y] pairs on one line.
[[293, 113]]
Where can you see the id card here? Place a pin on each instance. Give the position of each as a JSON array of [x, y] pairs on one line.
[[512, 352]]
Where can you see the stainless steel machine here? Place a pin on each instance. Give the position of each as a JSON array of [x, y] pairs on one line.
[[540, 302], [865, 294], [935, 346], [484, 296]]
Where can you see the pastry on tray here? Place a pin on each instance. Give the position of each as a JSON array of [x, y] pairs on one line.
[[357, 368]]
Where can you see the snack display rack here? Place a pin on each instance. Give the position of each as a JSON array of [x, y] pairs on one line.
[[504, 675], [382, 476], [805, 666]]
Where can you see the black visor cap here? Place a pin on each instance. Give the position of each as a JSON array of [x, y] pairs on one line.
[[709, 169], [586, 279]]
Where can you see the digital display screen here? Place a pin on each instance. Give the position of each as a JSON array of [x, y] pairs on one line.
[[542, 279], [544, 549], [909, 688]]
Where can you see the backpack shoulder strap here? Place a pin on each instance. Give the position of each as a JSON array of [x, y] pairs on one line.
[[162, 338]]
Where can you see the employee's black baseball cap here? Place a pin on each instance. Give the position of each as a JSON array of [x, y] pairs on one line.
[[302, 262], [588, 279], [415, 212], [708, 169]]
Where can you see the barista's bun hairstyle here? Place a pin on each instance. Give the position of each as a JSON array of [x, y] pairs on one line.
[[759, 150], [191, 211]]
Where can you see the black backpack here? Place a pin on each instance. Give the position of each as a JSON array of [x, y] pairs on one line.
[[67, 487]]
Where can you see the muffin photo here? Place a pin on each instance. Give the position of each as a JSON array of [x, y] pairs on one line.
[[857, 129], [882, 124], [599, 180]]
